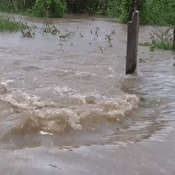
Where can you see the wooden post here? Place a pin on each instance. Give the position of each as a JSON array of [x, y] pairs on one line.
[[132, 44], [174, 35]]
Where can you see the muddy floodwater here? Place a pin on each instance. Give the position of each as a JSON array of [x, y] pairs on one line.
[[67, 107]]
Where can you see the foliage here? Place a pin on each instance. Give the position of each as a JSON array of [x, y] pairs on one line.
[[154, 12], [49, 8], [161, 38], [128, 7], [105, 7], [160, 12], [151, 11], [145, 44], [141, 60], [49, 27], [114, 8], [84, 6], [16, 5], [7, 24]]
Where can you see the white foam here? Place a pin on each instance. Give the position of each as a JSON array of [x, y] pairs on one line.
[[49, 117]]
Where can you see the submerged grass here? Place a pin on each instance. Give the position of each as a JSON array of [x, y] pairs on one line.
[[158, 45], [10, 24], [161, 38]]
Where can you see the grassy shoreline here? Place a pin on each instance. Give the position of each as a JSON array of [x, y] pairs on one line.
[[155, 12], [10, 24]]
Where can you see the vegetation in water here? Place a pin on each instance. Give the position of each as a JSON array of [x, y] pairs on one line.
[[142, 99], [148, 103], [141, 60], [11, 24], [145, 44], [161, 38]]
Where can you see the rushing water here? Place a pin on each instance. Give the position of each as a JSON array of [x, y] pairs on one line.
[[78, 94]]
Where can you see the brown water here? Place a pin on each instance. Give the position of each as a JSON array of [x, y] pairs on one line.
[[79, 95]]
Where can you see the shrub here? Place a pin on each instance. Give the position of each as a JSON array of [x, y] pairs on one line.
[[160, 39], [16, 5], [7, 24], [160, 12], [128, 7], [83, 6], [114, 8], [106, 7], [49, 8]]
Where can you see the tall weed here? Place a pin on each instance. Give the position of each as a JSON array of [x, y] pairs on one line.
[[49, 8], [161, 38], [16, 5], [11, 24], [154, 12], [160, 12]]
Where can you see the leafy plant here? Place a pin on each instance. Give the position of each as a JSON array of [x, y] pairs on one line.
[[16, 5], [49, 27], [152, 12], [10, 24], [49, 8], [141, 60], [142, 99], [161, 38], [114, 8], [160, 12], [109, 38], [28, 34], [83, 6], [145, 44]]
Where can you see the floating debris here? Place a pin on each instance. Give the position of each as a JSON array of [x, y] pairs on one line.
[[54, 166]]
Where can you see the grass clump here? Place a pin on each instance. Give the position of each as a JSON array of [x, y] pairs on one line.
[[10, 24], [161, 38], [141, 60], [142, 99], [145, 44]]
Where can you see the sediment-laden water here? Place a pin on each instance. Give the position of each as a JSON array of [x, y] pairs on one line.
[[74, 91]]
